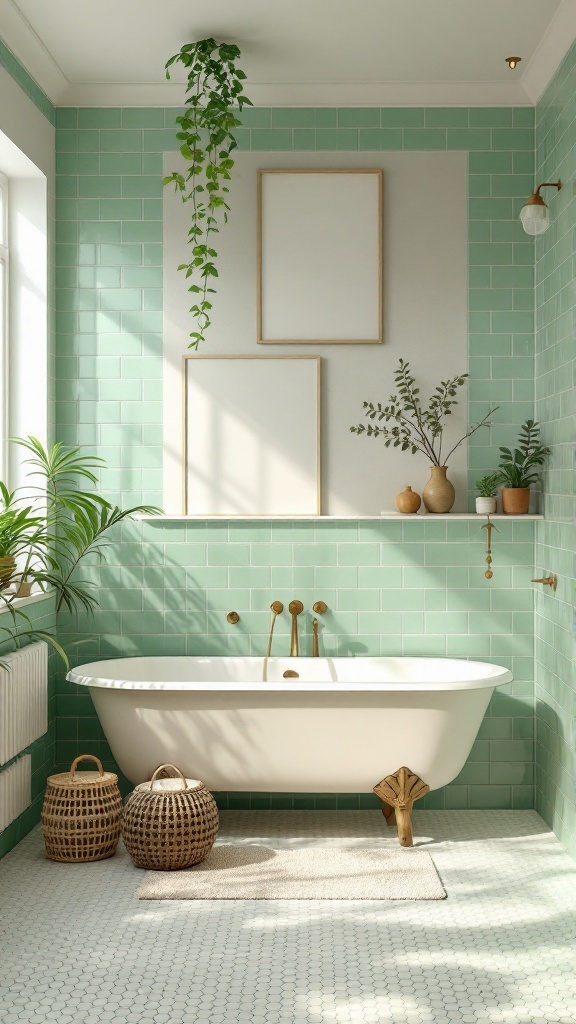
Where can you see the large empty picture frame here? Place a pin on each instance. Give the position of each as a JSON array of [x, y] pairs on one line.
[[251, 435], [319, 257]]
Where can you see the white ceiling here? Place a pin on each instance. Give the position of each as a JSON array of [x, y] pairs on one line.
[[296, 52]]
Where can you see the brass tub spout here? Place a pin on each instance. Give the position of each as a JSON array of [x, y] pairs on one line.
[[295, 608]]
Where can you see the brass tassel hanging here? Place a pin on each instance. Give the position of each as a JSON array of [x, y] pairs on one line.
[[488, 526]]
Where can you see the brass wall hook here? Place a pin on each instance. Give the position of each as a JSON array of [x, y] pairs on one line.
[[233, 618], [548, 581], [320, 607]]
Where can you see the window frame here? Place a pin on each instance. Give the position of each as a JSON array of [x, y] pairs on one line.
[[4, 324]]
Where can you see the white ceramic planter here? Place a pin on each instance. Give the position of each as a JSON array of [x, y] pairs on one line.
[[486, 506]]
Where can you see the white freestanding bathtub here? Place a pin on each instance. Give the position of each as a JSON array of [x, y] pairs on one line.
[[340, 727]]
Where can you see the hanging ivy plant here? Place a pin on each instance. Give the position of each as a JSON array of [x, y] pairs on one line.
[[213, 97]]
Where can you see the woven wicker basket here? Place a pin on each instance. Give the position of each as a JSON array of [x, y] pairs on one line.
[[81, 815], [167, 828]]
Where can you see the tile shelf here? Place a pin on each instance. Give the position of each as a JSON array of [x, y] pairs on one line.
[[385, 517]]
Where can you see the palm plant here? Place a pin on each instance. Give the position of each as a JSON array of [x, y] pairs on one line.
[[61, 525]]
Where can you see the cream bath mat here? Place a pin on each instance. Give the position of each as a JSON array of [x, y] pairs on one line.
[[261, 873]]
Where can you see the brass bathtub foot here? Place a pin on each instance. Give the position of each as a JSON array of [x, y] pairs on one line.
[[388, 812], [400, 791]]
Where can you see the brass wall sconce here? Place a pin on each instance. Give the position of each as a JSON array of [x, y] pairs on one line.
[[512, 62], [534, 214]]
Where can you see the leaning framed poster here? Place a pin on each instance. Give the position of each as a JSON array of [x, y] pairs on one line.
[[251, 435], [319, 257]]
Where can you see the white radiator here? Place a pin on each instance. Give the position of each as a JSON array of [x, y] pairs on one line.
[[23, 699], [15, 790]]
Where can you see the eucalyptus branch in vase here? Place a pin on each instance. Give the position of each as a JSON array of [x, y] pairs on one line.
[[416, 427]]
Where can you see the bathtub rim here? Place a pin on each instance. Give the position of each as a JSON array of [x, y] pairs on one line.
[[489, 676]]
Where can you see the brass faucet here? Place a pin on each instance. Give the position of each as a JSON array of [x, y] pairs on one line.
[[315, 651], [295, 608]]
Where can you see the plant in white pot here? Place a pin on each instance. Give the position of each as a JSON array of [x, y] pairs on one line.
[[487, 487], [420, 428], [518, 468]]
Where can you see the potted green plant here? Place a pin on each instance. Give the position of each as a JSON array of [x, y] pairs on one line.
[[487, 487], [420, 428], [518, 468], [18, 533], [53, 525]]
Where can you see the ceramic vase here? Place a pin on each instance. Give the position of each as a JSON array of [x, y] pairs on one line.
[[439, 493], [486, 506], [515, 500], [408, 501]]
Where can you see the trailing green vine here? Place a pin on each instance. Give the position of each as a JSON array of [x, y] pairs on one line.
[[213, 96]]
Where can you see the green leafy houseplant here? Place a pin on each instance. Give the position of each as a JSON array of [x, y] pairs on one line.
[[487, 486], [519, 468], [417, 428], [213, 96], [60, 526]]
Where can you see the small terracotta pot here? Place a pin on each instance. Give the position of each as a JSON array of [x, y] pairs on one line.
[[408, 501], [515, 500], [486, 506], [439, 493]]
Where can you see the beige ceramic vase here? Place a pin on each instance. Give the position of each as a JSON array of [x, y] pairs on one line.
[[439, 493], [408, 501]]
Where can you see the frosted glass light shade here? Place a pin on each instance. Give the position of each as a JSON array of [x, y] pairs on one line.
[[535, 218]]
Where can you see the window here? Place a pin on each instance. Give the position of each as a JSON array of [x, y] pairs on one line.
[[3, 322], [23, 306]]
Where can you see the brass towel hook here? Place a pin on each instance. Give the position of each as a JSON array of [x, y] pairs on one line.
[[233, 618]]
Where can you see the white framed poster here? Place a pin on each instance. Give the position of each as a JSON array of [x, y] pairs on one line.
[[319, 257], [251, 435]]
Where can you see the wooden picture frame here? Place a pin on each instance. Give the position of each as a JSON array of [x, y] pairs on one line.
[[319, 273], [251, 435]]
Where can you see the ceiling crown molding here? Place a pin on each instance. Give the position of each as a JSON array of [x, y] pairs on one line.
[[310, 94], [551, 51], [20, 37]]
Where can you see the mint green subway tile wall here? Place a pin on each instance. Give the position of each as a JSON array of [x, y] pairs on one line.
[[391, 589], [41, 616], [167, 588], [556, 408]]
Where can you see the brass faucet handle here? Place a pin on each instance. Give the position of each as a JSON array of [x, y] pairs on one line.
[[295, 607], [277, 607], [548, 581], [320, 607]]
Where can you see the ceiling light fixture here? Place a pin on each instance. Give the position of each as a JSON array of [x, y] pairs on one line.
[[534, 215], [512, 62]]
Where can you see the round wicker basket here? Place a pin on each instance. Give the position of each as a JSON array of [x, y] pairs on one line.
[[81, 814], [169, 823]]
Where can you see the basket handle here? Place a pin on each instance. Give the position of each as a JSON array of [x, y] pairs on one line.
[[161, 767], [85, 757]]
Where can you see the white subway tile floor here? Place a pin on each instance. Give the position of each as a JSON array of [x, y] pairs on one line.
[[76, 947]]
